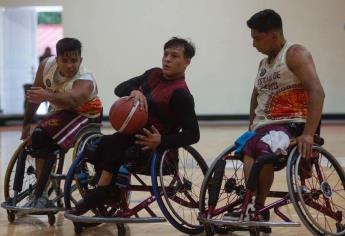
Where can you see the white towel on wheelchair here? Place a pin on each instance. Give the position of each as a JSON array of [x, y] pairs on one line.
[[278, 141]]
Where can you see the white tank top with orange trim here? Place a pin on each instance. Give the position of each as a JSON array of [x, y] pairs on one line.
[[281, 96], [54, 82]]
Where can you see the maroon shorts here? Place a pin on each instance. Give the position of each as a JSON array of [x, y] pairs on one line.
[[255, 147], [63, 126]]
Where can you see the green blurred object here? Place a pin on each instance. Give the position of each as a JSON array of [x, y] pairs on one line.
[[49, 18]]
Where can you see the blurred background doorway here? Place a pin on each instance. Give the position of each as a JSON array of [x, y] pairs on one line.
[[27, 34]]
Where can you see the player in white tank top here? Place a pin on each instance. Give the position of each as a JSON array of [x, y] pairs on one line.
[[287, 89], [55, 82], [72, 91], [281, 96]]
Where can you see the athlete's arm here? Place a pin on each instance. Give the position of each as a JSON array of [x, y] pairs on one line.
[[300, 62], [31, 108]]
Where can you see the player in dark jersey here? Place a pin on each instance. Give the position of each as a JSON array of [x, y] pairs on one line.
[[172, 121]]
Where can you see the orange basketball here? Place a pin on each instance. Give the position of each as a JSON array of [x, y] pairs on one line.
[[126, 117]]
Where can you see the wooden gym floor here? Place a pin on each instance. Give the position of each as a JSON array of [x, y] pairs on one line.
[[214, 138]]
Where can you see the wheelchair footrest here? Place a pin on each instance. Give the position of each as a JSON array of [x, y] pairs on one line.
[[229, 222], [30, 210], [100, 219], [226, 221]]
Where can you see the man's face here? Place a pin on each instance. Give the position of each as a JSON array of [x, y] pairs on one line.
[[69, 63], [263, 41], [174, 62]]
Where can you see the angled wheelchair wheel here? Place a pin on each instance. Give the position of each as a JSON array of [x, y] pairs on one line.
[[222, 190], [29, 176], [84, 139], [176, 180], [81, 176], [20, 179], [317, 191]]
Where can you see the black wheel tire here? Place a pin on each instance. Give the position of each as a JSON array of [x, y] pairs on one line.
[[11, 216], [254, 232], [77, 228], [121, 230], [167, 209], [51, 219], [209, 230]]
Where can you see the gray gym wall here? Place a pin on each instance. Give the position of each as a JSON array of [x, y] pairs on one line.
[[122, 39]]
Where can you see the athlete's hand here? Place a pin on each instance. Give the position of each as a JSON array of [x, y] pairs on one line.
[[38, 95], [25, 131], [305, 143], [150, 139], [139, 96]]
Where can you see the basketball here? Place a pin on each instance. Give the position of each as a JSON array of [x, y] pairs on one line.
[[126, 117]]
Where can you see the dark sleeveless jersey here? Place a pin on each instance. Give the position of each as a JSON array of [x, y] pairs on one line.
[[158, 92], [170, 104]]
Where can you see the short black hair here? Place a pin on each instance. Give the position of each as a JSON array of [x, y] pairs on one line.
[[189, 48], [68, 45], [265, 21]]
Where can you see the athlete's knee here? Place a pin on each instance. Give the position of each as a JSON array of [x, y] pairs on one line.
[[40, 138], [41, 143]]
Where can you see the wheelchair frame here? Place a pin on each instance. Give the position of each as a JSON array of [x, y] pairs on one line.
[[120, 213], [213, 217], [54, 178]]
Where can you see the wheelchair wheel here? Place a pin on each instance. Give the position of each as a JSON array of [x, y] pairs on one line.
[[255, 232], [81, 175], [83, 140], [29, 179], [317, 191], [51, 218], [222, 190], [11, 216], [78, 229], [20, 197], [121, 229], [176, 184]]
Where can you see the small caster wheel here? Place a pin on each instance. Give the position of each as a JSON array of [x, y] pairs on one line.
[[51, 219], [77, 228], [121, 230], [266, 231], [11, 216], [255, 232], [212, 230], [340, 227], [252, 232], [209, 229]]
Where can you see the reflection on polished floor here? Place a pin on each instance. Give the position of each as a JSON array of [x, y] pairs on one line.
[[214, 138]]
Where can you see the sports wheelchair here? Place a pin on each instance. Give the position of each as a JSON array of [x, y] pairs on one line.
[[20, 182], [316, 189], [172, 178]]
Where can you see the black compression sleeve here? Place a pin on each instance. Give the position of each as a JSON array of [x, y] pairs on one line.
[[182, 105], [126, 87]]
